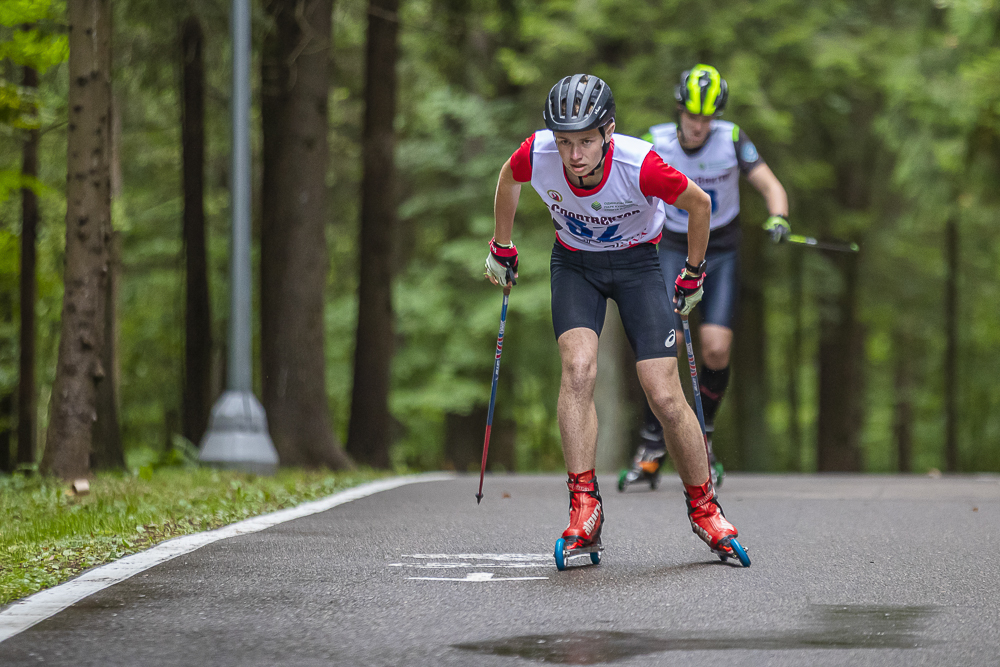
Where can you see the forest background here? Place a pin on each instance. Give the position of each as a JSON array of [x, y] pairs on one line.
[[882, 120]]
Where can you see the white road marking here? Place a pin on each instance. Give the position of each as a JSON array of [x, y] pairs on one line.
[[459, 561], [25, 613], [478, 577], [448, 566], [497, 557]]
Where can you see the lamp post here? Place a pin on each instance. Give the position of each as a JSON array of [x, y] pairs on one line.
[[237, 435]]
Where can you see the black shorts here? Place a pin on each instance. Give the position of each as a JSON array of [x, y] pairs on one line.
[[722, 284], [582, 283]]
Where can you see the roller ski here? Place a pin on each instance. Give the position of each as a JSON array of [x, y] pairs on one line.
[[709, 522], [647, 462], [582, 536]]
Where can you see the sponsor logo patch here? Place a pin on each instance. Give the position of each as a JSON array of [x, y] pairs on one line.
[[671, 338], [554, 194], [618, 205], [749, 152], [596, 206]]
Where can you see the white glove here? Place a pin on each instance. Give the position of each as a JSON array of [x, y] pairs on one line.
[[501, 259]]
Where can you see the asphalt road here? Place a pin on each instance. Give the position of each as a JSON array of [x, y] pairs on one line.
[[847, 570]]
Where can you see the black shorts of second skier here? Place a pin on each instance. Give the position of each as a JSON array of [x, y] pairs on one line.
[[722, 286], [583, 281]]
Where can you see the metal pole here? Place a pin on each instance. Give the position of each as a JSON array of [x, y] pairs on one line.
[[493, 393], [237, 435], [239, 370]]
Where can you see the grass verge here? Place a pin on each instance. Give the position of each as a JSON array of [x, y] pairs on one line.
[[48, 535]]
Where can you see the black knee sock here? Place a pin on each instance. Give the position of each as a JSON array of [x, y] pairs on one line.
[[652, 423], [713, 385]]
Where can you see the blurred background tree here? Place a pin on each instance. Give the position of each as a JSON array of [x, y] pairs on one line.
[[882, 121]]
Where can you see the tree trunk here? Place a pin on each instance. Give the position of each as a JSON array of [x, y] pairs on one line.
[[196, 400], [463, 442], [795, 366], [88, 226], [26, 400], [508, 37], [841, 351], [750, 386], [368, 437], [951, 386], [6, 430], [294, 261], [451, 54], [902, 416], [108, 449], [7, 399]]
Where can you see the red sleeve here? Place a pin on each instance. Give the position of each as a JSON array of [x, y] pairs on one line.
[[659, 179], [520, 161]]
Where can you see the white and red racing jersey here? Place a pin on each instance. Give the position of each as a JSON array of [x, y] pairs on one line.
[[622, 211], [715, 166]]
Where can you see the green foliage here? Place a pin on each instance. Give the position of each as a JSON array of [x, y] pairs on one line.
[[881, 120], [31, 35], [34, 48], [50, 535]]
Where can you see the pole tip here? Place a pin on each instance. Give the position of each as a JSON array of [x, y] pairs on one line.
[[479, 498]]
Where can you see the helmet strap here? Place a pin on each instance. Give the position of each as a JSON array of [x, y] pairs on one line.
[[604, 154]]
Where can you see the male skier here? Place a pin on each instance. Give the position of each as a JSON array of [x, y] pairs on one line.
[[603, 191], [712, 153]]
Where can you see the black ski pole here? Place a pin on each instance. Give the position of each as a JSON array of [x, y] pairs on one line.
[[836, 246], [694, 382], [496, 376], [737, 548]]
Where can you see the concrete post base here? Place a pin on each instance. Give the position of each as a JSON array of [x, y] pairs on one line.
[[237, 436]]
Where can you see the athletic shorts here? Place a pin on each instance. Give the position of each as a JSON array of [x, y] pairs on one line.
[[722, 285], [582, 283]]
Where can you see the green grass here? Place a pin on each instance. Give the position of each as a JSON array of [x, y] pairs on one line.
[[48, 535]]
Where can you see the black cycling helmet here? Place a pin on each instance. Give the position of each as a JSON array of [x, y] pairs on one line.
[[702, 91], [579, 103]]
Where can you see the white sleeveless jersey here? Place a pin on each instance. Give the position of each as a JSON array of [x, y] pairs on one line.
[[713, 167], [615, 216]]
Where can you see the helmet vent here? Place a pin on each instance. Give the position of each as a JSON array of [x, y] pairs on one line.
[[578, 103]]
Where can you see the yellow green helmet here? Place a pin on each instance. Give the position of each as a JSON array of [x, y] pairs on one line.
[[702, 91]]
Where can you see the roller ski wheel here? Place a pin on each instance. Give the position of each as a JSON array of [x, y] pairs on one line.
[[563, 554], [645, 468], [586, 521], [709, 522], [737, 550], [629, 477]]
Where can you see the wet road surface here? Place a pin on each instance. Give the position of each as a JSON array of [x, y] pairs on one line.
[[847, 570]]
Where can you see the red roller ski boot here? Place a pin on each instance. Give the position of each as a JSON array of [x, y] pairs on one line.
[[709, 523], [586, 519]]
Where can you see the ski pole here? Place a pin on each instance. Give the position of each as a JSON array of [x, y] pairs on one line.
[[836, 246], [694, 382], [737, 548], [496, 376]]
